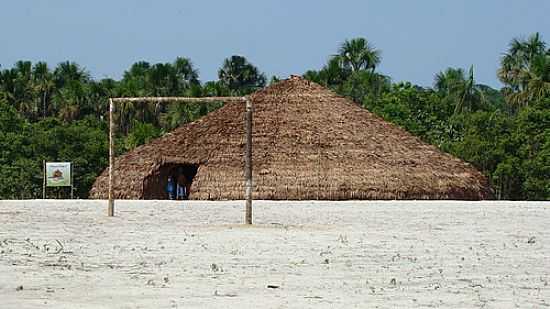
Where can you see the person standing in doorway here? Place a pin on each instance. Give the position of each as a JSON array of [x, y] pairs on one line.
[[171, 188], [182, 187]]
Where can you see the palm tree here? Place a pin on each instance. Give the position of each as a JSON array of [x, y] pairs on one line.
[[445, 81], [460, 89], [24, 91], [69, 71], [99, 92], [186, 73], [162, 79], [70, 100], [359, 54], [535, 82], [215, 89], [525, 70], [240, 76], [44, 84], [166, 79], [179, 78], [7, 84], [365, 86], [334, 73], [135, 82]]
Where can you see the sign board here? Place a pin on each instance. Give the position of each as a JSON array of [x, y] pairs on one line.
[[58, 174]]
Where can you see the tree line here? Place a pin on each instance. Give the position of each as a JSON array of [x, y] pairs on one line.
[[58, 114]]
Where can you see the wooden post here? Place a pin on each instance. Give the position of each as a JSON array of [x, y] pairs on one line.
[[111, 208], [248, 162], [72, 179], [44, 180]]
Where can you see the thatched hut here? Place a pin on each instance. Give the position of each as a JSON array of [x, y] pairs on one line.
[[308, 144]]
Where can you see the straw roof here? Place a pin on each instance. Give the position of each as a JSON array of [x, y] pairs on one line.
[[308, 143]]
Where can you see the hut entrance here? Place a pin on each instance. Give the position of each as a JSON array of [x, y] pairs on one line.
[[181, 175]]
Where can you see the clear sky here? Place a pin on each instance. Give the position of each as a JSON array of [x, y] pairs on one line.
[[417, 38]]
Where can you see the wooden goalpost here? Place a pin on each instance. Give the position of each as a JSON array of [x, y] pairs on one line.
[[248, 145]]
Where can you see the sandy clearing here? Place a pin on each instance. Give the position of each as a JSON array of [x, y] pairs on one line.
[[159, 254]]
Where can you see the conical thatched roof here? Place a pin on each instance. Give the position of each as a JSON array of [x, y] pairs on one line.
[[308, 143]]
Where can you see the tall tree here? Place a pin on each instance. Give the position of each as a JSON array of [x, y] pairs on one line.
[[71, 82], [135, 82], [365, 86], [69, 71], [187, 75], [23, 89], [460, 90], [332, 75], [240, 76], [359, 54], [98, 95], [44, 85], [525, 70], [178, 78]]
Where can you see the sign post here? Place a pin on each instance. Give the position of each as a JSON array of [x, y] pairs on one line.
[[72, 182], [44, 179]]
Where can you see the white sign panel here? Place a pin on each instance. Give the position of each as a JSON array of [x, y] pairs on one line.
[[58, 174]]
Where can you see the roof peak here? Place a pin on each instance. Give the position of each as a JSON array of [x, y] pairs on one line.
[[294, 84]]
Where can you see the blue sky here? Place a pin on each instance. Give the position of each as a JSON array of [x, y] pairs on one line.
[[417, 38]]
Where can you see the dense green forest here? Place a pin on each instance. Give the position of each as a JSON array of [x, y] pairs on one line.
[[60, 113]]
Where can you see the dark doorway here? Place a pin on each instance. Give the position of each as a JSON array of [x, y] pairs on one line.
[[154, 186]]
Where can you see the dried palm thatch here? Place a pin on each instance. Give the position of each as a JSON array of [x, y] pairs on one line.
[[308, 143]]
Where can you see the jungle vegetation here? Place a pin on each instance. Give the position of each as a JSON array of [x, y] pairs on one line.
[[60, 113]]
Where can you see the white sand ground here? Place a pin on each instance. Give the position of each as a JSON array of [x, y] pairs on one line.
[[68, 254]]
